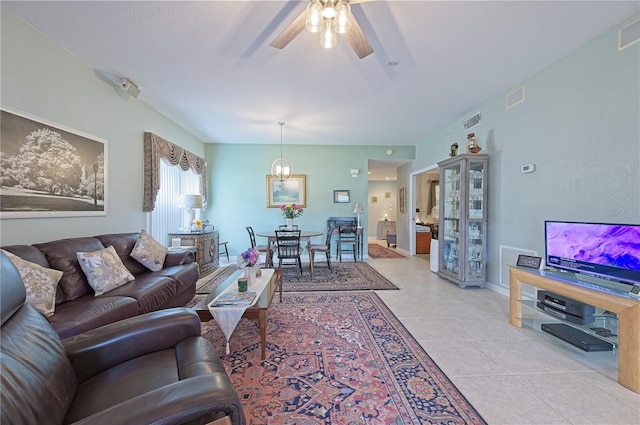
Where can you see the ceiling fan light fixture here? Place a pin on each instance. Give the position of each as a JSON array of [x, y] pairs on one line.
[[328, 37], [342, 21], [314, 16]]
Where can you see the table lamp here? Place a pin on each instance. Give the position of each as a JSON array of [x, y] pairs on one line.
[[190, 203], [358, 209]]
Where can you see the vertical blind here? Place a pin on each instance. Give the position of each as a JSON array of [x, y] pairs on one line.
[[167, 216]]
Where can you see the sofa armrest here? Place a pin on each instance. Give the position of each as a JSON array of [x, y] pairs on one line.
[[210, 396], [100, 349], [177, 258]]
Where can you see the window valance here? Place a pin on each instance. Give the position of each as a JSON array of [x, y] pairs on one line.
[[155, 149]]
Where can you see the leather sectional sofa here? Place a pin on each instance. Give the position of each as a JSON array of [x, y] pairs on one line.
[[77, 309], [154, 368]]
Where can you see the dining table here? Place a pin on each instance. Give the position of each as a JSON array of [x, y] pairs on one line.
[[305, 235]]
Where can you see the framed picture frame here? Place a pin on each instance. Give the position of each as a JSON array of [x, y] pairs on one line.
[[529, 261], [401, 200], [341, 197], [374, 199], [291, 191], [50, 170]]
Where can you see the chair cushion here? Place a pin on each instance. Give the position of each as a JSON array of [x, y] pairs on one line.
[[90, 312], [104, 270], [61, 255], [149, 252], [38, 382], [40, 283], [153, 291]]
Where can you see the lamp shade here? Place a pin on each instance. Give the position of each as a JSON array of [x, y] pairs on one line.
[[358, 208], [191, 201]]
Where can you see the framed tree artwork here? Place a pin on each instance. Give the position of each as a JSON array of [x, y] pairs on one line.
[[402, 200], [291, 191], [50, 170]]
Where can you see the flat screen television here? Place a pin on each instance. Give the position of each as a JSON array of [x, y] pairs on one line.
[[607, 251]]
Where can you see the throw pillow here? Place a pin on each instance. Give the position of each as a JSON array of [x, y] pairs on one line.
[[149, 252], [40, 282], [104, 270]]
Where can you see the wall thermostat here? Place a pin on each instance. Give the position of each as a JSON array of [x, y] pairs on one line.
[[528, 168], [389, 151]]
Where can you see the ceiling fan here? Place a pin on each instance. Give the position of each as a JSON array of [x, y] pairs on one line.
[[329, 18]]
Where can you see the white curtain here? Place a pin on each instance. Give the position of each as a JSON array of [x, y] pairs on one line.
[[167, 216]]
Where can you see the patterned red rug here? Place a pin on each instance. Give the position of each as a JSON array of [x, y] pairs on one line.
[[337, 358], [377, 251]]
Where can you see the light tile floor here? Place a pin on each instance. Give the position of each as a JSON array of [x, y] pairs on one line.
[[511, 376]]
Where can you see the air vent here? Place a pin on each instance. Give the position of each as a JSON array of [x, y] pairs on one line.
[[515, 97], [473, 121], [629, 35]]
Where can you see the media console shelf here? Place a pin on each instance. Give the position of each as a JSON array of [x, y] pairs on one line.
[[627, 309]]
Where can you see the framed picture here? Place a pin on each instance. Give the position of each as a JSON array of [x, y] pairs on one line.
[[387, 195], [49, 170], [341, 197], [291, 191], [529, 261], [374, 199], [401, 200]]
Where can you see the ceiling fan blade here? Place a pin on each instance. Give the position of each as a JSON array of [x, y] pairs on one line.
[[358, 42], [290, 32]]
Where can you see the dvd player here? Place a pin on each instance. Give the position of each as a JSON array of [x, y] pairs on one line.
[[576, 337]]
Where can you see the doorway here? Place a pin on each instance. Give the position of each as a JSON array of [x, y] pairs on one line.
[[425, 195]]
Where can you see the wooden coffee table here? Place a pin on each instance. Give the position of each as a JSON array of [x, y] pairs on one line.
[[256, 313]]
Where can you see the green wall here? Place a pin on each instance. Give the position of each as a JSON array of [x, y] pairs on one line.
[[237, 185], [580, 126]]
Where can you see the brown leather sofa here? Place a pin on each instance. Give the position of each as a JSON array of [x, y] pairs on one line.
[[151, 369], [79, 310]]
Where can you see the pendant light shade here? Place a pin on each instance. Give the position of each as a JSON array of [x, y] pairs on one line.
[[314, 17], [328, 38], [281, 168]]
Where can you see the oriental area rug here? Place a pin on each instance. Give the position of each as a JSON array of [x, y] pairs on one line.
[[342, 277], [337, 358], [378, 251]]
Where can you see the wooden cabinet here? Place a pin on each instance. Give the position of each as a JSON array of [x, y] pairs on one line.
[[423, 242], [463, 219], [206, 246], [385, 227]]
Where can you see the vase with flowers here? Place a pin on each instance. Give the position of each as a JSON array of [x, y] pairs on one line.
[[291, 211], [196, 225], [249, 260]]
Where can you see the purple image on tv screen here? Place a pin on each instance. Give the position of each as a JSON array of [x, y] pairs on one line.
[[606, 244]]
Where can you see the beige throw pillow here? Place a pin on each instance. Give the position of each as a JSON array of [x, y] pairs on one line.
[[104, 270], [40, 282], [149, 252]]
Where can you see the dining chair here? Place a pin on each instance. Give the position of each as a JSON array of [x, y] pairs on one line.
[[347, 236], [326, 248], [261, 248], [289, 248], [222, 245]]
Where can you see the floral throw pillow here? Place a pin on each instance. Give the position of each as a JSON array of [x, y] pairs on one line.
[[40, 282], [104, 270], [149, 252]]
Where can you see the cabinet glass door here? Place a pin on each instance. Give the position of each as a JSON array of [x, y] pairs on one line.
[[475, 223], [451, 220]]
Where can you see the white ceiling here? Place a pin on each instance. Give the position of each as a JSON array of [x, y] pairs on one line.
[[208, 65]]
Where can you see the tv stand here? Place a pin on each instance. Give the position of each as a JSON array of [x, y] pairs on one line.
[[628, 311]]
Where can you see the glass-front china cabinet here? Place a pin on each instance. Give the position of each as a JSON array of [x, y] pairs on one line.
[[463, 219]]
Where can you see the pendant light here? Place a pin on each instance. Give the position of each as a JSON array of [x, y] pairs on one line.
[[281, 168]]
